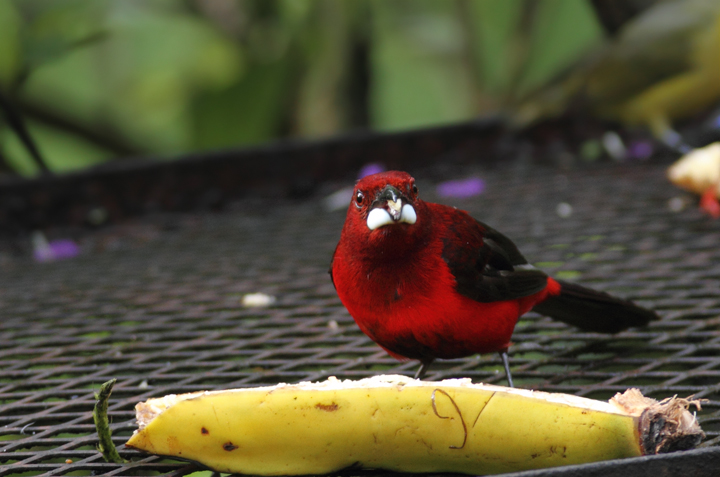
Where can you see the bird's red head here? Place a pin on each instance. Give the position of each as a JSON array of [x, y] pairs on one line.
[[385, 208]]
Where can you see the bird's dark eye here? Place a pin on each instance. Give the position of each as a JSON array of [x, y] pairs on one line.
[[359, 197], [414, 189]]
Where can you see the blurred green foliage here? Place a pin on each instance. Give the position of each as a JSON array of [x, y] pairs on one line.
[[661, 67], [98, 79]]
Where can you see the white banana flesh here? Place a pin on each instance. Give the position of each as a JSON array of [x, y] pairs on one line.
[[698, 170], [400, 424]]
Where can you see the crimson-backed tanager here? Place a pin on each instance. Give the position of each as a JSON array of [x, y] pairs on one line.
[[428, 281]]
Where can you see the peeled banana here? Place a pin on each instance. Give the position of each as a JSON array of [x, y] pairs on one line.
[[698, 170], [400, 424]]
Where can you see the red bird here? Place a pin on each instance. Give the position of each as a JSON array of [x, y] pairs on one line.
[[427, 281]]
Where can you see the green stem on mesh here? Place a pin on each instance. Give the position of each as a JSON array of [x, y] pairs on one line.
[[100, 416]]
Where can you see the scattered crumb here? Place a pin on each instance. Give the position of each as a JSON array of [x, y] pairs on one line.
[[564, 210], [677, 204], [338, 200], [257, 300], [613, 144]]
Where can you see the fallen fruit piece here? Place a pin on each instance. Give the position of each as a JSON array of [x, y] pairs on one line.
[[257, 300], [698, 170], [709, 202], [400, 424]]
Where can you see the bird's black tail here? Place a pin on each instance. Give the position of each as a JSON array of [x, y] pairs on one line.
[[592, 310]]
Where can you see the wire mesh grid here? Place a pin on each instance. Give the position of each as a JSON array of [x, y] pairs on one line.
[[157, 303]]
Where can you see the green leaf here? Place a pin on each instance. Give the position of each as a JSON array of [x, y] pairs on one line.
[[494, 26], [248, 112], [10, 53], [63, 152], [562, 31], [419, 72]]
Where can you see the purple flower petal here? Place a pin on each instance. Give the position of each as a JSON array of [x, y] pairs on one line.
[[64, 248], [43, 254], [369, 169], [461, 188], [640, 149], [55, 250]]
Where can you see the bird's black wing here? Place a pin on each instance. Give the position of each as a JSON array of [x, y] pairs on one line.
[[487, 265]]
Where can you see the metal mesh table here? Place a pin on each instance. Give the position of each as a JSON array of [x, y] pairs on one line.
[[157, 303]]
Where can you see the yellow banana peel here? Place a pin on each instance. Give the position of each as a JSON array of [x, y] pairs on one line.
[[400, 424]]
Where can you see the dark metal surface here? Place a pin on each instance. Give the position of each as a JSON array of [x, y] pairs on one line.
[[210, 180], [695, 463], [157, 303]]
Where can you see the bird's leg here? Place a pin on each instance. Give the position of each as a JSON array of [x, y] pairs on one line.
[[424, 365], [506, 363]]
